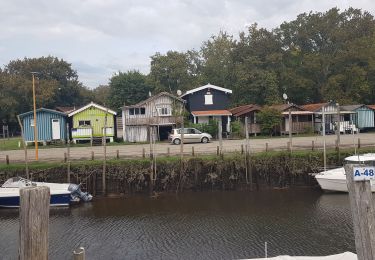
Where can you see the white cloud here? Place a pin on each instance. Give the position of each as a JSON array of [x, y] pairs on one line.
[[102, 37]]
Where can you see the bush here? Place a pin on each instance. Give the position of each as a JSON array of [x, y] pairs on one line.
[[269, 118], [210, 128], [236, 128]]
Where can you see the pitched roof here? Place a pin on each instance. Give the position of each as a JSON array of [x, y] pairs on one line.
[[371, 106], [283, 107], [351, 107], [143, 102], [44, 110], [211, 113], [314, 107], [65, 110], [205, 87], [241, 110], [92, 104]]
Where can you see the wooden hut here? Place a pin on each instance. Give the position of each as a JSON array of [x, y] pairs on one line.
[[363, 116], [88, 123], [161, 112], [250, 111], [331, 112], [209, 102], [51, 125], [302, 120]]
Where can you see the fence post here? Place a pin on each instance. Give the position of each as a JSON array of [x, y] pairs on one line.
[[34, 218], [117, 154], [92, 155], [312, 145], [242, 149], [266, 147], [143, 152], [79, 254], [192, 151], [288, 145], [217, 150], [359, 143], [168, 151], [65, 158], [362, 208], [7, 159]]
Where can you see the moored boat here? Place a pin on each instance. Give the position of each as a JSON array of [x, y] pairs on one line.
[[62, 194], [335, 179]]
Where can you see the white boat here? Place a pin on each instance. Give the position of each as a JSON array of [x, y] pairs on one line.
[[335, 179], [62, 194]]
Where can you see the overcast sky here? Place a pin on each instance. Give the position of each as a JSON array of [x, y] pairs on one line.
[[101, 37]]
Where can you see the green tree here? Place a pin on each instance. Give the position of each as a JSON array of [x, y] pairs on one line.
[[127, 88], [268, 119]]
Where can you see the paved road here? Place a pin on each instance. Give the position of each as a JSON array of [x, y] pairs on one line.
[[135, 150]]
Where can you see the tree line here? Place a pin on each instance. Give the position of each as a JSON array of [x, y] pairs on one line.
[[319, 56]]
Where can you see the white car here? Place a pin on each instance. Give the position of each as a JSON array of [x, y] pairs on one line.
[[191, 135]]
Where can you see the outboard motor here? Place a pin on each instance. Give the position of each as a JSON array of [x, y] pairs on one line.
[[75, 192]]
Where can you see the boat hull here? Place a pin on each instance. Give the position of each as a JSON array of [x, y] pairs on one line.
[[13, 201]]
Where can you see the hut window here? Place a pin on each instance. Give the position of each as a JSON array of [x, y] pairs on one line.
[[208, 98], [84, 122], [137, 111], [164, 111]]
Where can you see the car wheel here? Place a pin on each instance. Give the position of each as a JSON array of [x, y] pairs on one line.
[[204, 140], [176, 141]]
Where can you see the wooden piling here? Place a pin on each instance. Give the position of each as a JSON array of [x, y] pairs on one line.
[[117, 154], [217, 150], [266, 147], [79, 254], [192, 151], [312, 145], [362, 208], [92, 155], [242, 150], [168, 151], [34, 218], [359, 143], [65, 158], [143, 152], [7, 159]]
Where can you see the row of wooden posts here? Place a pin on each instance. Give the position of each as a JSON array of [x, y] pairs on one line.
[[168, 152]]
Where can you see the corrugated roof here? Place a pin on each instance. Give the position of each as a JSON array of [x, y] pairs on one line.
[[66, 110], [92, 104], [241, 110], [351, 107], [212, 113], [42, 109], [314, 107]]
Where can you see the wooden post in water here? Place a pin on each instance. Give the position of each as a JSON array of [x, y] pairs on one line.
[[363, 214], [24, 148], [68, 151], [104, 183], [79, 254], [34, 218], [220, 129]]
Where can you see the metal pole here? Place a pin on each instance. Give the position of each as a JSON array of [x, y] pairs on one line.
[[68, 150], [338, 127], [35, 126]]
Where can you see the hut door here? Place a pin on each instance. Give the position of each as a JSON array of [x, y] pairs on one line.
[[56, 129]]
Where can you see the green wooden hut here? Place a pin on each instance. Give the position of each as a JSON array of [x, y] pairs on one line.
[[88, 123]]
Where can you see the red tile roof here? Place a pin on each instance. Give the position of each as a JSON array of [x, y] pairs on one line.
[[212, 113]]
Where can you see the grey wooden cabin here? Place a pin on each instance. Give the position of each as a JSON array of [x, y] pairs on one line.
[[157, 114]]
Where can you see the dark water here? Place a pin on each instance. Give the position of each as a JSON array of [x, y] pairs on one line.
[[204, 225]]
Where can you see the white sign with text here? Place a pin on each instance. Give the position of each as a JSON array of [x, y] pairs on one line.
[[363, 173]]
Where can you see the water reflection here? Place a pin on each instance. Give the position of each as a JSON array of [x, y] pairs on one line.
[[204, 225]]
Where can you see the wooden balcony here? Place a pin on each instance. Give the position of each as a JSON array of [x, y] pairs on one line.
[[81, 132], [162, 120]]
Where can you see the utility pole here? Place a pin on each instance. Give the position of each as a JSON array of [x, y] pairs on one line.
[[35, 126]]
